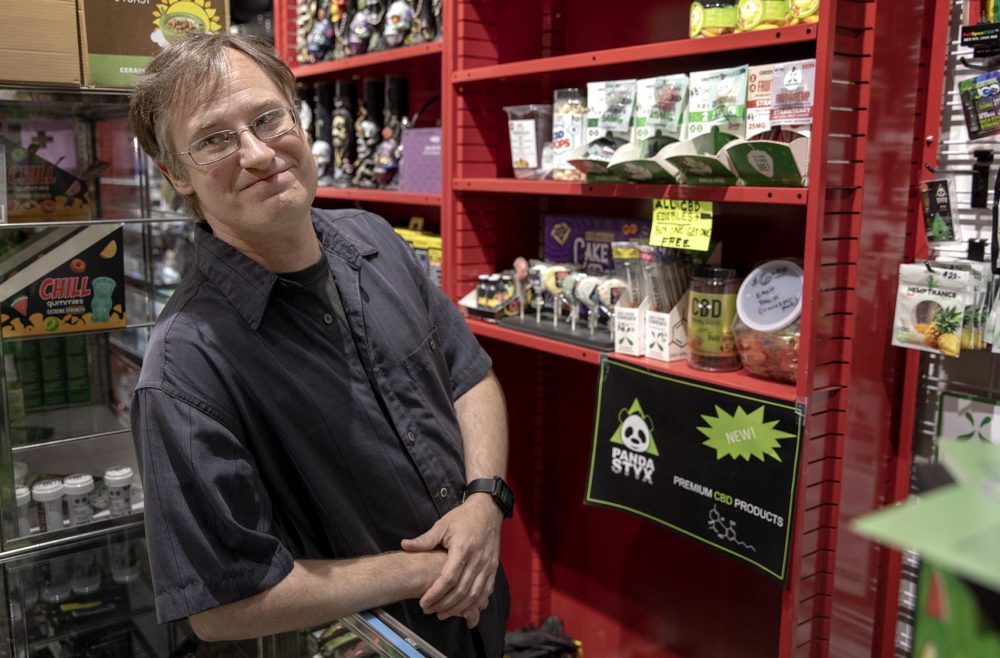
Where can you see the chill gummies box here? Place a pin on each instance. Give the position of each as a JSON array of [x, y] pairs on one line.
[[75, 283]]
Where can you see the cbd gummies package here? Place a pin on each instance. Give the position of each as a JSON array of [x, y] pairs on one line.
[[803, 11], [761, 14], [930, 309], [718, 98], [659, 111], [610, 106]]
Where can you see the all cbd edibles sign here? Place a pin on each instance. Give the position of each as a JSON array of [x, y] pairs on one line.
[[76, 282], [712, 463]]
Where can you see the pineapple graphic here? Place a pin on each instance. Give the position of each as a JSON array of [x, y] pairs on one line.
[[942, 332]]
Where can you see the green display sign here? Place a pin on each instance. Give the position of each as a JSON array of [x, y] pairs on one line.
[[715, 464]]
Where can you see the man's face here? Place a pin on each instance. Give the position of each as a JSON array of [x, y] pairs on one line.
[[262, 187]]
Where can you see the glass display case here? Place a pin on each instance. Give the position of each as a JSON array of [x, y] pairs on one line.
[[92, 247], [89, 253]]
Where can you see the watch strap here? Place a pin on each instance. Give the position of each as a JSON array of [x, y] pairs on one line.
[[497, 489]]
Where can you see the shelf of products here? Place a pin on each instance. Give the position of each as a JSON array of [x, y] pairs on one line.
[[728, 193], [680, 48], [393, 58]]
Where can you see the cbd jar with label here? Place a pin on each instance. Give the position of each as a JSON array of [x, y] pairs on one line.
[[711, 311], [768, 310]]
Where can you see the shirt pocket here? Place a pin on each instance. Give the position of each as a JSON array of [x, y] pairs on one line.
[[429, 390]]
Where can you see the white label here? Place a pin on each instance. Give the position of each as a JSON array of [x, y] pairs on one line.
[[523, 145], [120, 501], [567, 134]]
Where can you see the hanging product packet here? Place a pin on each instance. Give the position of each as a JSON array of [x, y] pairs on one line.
[[659, 111], [718, 98], [936, 200], [610, 108], [980, 97], [930, 308], [974, 317]]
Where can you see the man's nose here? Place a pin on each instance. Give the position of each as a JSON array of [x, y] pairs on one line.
[[252, 150]]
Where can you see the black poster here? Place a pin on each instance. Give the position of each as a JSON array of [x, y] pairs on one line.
[[715, 464]]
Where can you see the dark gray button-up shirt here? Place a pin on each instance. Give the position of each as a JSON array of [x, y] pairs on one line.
[[266, 432]]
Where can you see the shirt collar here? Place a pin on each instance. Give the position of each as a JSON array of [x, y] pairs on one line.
[[247, 284]]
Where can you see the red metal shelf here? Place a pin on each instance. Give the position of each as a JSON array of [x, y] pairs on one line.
[[739, 379], [378, 196], [348, 64], [548, 345], [632, 54], [797, 196]]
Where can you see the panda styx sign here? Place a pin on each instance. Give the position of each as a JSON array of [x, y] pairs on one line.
[[712, 463]]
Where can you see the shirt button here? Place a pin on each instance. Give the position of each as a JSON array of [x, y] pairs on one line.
[[444, 492], [410, 437], [327, 318]]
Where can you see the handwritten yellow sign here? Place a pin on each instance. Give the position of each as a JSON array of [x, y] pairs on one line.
[[681, 224]]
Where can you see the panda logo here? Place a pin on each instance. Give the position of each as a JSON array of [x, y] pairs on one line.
[[636, 431]]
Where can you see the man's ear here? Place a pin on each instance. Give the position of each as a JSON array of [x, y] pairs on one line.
[[180, 183]]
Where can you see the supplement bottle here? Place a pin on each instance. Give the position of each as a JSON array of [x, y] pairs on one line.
[[711, 311]]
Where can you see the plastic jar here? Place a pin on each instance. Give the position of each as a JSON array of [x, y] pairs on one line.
[[768, 308], [77, 489], [712, 18], [569, 124], [48, 496], [22, 496], [711, 311], [529, 127], [118, 480], [86, 571]]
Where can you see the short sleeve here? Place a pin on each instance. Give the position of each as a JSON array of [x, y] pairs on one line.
[[208, 518]]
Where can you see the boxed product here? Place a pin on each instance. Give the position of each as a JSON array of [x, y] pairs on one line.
[[37, 189], [420, 169], [586, 240], [39, 42], [76, 283], [119, 38]]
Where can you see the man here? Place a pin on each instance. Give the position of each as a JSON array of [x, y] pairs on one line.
[[310, 408]]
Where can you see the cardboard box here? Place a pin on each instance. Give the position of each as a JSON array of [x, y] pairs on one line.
[[37, 190], [119, 38], [78, 284], [420, 170], [585, 240], [39, 42]]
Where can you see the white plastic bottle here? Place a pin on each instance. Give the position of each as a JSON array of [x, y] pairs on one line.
[[118, 480], [77, 489], [48, 495], [22, 496]]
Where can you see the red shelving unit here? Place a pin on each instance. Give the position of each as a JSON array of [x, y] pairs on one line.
[[621, 585], [734, 194], [378, 196], [421, 64]]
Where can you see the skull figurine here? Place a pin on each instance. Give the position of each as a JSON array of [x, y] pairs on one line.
[[323, 154], [360, 33], [398, 21], [321, 37]]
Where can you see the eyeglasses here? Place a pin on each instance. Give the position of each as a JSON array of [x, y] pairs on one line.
[[222, 144]]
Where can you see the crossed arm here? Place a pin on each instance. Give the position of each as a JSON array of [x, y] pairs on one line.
[[455, 581]]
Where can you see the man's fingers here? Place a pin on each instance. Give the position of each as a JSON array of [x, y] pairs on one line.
[[425, 542], [450, 576]]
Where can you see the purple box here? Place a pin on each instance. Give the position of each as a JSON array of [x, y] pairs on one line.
[[420, 170], [586, 240]]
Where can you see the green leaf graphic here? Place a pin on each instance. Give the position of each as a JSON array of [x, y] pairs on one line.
[[742, 434]]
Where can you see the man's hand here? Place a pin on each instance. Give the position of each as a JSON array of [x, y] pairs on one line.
[[471, 535]]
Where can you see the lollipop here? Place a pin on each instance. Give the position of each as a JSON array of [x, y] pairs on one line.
[[612, 291]]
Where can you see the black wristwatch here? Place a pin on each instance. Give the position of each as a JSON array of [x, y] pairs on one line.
[[497, 489]]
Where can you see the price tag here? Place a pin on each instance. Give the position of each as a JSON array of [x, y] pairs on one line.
[[681, 224]]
